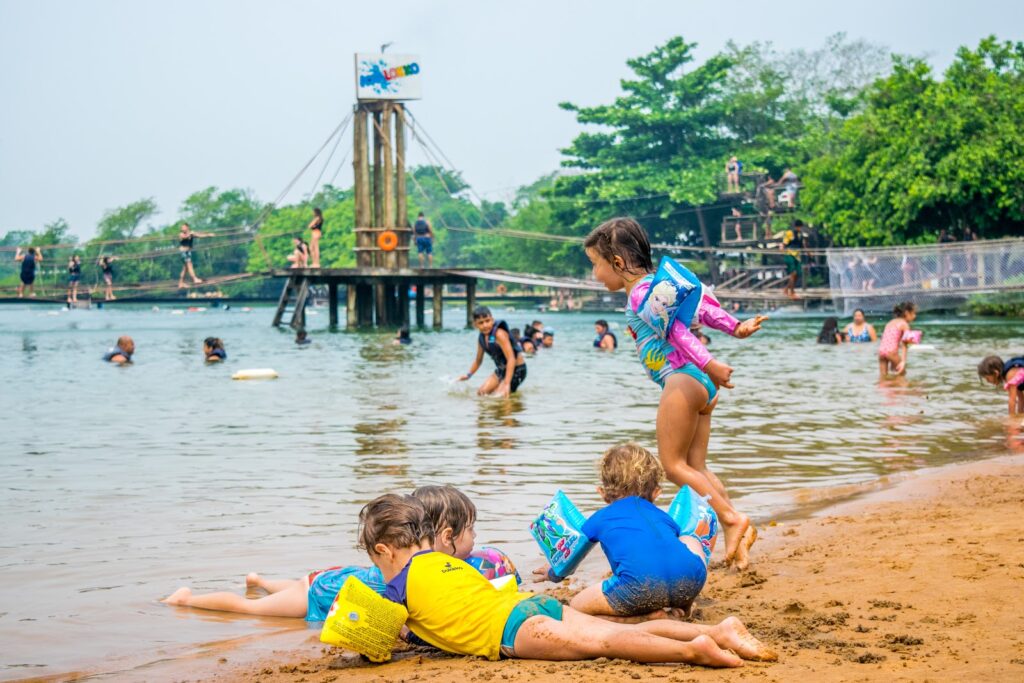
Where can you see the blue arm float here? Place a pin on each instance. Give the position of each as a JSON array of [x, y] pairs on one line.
[[695, 517], [675, 294], [559, 533]]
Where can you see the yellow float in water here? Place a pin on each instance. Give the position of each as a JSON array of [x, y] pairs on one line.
[[255, 373], [363, 621]]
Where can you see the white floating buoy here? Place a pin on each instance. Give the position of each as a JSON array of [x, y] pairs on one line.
[[255, 373], [177, 311]]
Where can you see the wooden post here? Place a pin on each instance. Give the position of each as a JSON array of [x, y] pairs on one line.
[[421, 300], [401, 205], [470, 301], [352, 307], [388, 173], [361, 173], [332, 303], [403, 303], [364, 304], [709, 255], [382, 305], [378, 181], [438, 304]]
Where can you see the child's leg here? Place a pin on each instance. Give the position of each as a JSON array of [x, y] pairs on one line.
[[290, 602], [883, 367], [592, 600], [678, 414], [254, 580], [580, 636], [698, 453], [730, 634], [489, 385]]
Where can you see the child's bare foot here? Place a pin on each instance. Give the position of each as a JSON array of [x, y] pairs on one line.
[[707, 653], [734, 536], [178, 597], [731, 634], [743, 552], [197, 280]]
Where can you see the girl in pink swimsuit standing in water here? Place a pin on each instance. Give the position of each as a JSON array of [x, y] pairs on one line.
[[892, 352]]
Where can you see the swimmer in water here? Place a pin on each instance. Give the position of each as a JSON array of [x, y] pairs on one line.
[[122, 353], [302, 338], [892, 352], [605, 339], [1009, 375], [213, 350], [689, 376], [402, 337], [509, 362]]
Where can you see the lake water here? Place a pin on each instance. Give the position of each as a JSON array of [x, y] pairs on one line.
[[121, 484]]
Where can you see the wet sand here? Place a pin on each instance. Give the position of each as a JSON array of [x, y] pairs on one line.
[[920, 581]]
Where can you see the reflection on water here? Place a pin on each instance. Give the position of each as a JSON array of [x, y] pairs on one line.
[[120, 484]]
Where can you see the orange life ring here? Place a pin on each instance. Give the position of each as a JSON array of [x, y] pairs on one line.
[[387, 240]]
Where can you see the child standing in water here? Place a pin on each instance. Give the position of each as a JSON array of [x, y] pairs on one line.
[[681, 366], [496, 342], [892, 352], [213, 350], [1010, 375]]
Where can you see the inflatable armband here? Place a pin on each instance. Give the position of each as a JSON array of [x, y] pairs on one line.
[[558, 530], [695, 517], [506, 583], [492, 563], [255, 373], [912, 337], [675, 294], [363, 621]]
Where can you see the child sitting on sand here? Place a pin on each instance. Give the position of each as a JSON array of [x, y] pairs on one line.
[[892, 351], [1010, 375], [122, 353], [457, 610], [653, 567]]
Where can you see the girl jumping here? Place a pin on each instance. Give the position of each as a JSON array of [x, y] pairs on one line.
[[621, 255], [892, 352]]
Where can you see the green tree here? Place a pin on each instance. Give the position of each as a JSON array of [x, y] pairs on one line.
[[928, 153]]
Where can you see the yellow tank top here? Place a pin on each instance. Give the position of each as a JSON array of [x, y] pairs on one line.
[[453, 607]]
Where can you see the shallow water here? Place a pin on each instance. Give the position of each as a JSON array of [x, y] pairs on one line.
[[121, 484]]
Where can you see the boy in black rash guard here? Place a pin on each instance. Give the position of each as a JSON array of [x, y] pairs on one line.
[[496, 342]]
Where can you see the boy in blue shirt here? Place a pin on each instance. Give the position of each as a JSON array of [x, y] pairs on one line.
[[653, 567]]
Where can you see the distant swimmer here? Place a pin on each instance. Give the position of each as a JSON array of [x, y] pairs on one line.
[[106, 267], [122, 353], [29, 259], [402, 337], [860, 331], [213, 350], [186, 242], [605, 339], [302, 338], [496, 342]]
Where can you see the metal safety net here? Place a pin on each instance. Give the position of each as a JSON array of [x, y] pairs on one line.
[[932, 276]]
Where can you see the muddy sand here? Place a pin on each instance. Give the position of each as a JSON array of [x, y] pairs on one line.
[[920, 581]]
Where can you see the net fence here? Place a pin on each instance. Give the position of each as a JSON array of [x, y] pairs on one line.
[[932, 276]]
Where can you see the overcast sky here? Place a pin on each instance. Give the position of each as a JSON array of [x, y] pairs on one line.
[[104, 102]]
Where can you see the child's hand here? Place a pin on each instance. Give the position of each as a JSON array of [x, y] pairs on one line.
[[900, 367], [504, 390], [463, 378], [541, 573], [749, 326], [720, 373]]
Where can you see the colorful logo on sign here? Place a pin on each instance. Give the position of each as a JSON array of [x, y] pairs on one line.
[[383, 79]]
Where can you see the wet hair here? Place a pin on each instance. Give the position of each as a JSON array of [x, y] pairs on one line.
[[515, 333], [396, 520], [526, 340], [301, 334], [403, 333], [829, 330], [446, 506], [629, 470], [602, 322], [549, 333], [481, 312], [317, 212], [861, 311], [902, 308], [622, 237], [124, 341], [991, 365], [213, 343]]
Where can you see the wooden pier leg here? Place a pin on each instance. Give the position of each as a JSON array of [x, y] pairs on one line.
[[381, 305], [421, 300], [403, 304], [332, 303], [352, 308], [470, 301], [282, 302], [364, 304], [438, 305]]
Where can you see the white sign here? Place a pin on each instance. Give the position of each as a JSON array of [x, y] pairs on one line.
[[388, 77]]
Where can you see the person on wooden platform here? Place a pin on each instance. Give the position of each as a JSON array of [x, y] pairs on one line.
[[424, 235]]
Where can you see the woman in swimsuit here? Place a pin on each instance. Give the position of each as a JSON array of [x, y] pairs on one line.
[[316, 230], [108, 275], [74, 277], [31, 258], [860, 331], [186, 240]]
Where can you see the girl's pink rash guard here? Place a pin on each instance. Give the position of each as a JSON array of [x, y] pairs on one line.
[[689, 348]]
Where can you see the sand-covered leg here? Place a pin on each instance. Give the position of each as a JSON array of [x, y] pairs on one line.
[[731, 634], [743, 550]]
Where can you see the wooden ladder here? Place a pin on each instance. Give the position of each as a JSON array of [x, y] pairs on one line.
[[299, 286]]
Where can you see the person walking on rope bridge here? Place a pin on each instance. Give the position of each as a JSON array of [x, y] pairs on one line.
[[186, 241], [424, 240], [74, 277], [106, 267], [792, 244], [29, 259], [496, 342], [316, 231]]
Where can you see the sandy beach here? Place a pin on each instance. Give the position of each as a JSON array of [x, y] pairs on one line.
[[919, 581]]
